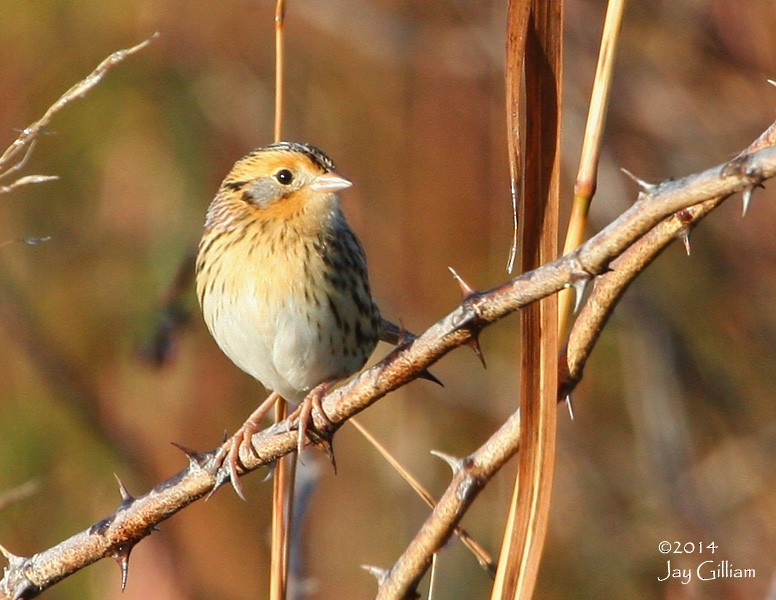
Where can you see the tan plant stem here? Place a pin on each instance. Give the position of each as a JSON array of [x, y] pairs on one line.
[[587, 175]]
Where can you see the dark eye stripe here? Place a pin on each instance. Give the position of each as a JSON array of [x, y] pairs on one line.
[[234, 185]]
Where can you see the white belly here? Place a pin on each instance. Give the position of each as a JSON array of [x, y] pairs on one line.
[[274, 323], [281, 348]]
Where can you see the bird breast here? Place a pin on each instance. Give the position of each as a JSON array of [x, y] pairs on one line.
[[289, 308]]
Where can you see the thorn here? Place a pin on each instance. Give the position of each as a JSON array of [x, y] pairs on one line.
[[14, 561], [196, 459], [570, 406], [126, 497], [429, 376], [685, 217], [756, 177], [646, 187], [685, 237], [466, 289], [121, 556], [223, 473], [474, 344], [455, 463], [579, 285], [747, 199], [327, 447], [376, 572], [432, 579], [221, 477]]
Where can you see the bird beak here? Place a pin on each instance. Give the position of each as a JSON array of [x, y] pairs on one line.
[[329, 182]]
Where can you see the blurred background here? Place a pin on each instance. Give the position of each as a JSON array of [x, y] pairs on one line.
[[674, 437]]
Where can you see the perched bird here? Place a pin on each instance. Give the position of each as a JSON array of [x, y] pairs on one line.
[[282, 281]]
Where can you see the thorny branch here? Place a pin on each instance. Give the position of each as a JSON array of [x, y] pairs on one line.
[[404, 575], [613, 258]]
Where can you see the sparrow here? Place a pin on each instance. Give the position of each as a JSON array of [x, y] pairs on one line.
[[283, 285]]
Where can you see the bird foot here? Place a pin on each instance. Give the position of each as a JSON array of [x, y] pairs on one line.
[[306, 430], [227, 459]]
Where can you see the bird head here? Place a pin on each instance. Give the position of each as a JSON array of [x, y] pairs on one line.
[[284, 177]]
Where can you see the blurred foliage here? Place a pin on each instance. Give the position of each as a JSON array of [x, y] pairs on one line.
[[674, 434]]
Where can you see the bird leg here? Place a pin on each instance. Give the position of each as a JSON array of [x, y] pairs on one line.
[[228, 455], [305, 410]]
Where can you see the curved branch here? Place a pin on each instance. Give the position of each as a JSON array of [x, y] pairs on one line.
[[405, 574], [136, 518], [610, 288]]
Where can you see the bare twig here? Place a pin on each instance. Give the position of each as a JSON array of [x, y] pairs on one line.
[[18, 167], [137, 517], [17, 154], [19, 493], [26, 180], [63, 373], [467, 540]]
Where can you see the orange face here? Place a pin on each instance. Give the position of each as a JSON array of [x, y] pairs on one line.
[[275, 185]]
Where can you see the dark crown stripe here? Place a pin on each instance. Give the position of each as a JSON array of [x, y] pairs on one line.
[[314, 154]]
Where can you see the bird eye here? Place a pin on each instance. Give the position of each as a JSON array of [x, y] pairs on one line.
[[284, 176]]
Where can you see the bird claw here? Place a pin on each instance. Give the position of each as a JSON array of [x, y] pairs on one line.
[[306, 429], [227, 458]]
